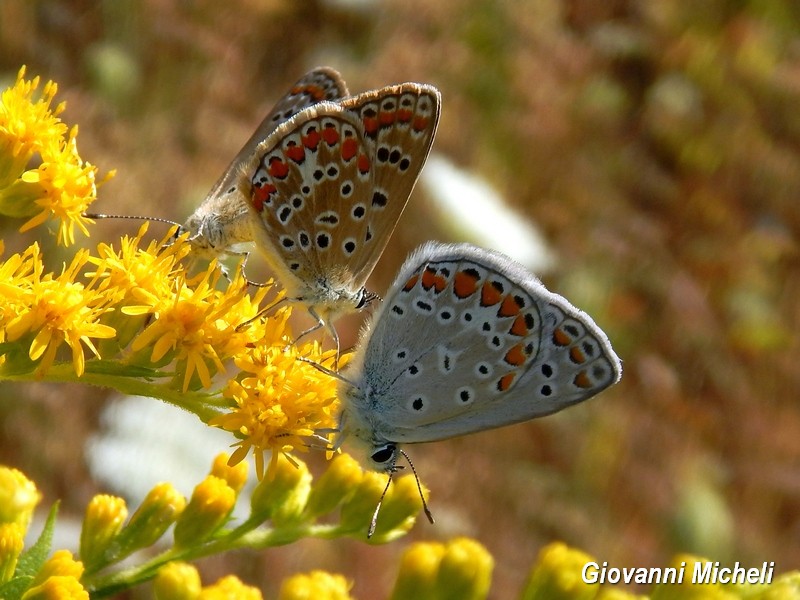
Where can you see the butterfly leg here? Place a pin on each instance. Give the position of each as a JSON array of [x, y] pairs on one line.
[[260, 314], [331, 330]]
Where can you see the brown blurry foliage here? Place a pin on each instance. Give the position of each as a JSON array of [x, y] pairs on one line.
[[657, 144]]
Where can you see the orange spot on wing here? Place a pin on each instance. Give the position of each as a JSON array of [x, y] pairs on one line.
[[363, 164], [576, 355], [509, 307], [349, 149], [431, 280], [412, 281], [420, 123], [386, 118], [295, 153], [278, 168], [490, 295], [560, 338], [519, 327], [404, 115], [505, 381], [516, 356], [582, 380], [260, 195], [465, 284], [330, 135], [311, 141], [370, 125], [315, 92]]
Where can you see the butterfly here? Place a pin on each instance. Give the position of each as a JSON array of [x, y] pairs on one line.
[[329, 188], [223, 218], [466, 340]]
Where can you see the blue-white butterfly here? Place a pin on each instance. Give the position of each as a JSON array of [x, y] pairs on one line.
[[466, 340]]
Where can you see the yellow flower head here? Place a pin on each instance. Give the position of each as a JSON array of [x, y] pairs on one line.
[[279, 402], [27, 121], [196, 325], [230, 587], [67, 188], [63, 185], [55, 310], [317, 584]]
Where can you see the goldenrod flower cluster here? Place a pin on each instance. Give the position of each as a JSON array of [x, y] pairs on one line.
[[282, 510], [130, 316]]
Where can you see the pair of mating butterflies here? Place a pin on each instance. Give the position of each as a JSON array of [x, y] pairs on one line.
[[465, 340]]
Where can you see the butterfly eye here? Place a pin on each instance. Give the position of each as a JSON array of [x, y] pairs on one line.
[[385, 454]]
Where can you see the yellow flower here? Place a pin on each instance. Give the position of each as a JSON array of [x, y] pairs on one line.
[[18, 497], [26, 123], [102, 523], [460, 569], [68, 188], [177, 581], [12, 537], [60, 587], [197, 325], [230, 587], [279, 401], [557, 574], [62, 563], [135, 276], [317, 584], [208, 509], [55, 310], [63, 185]]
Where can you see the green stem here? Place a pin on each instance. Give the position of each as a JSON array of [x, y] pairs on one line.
[[203, 404], [239, 538]]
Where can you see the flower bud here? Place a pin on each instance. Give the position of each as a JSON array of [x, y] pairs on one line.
[[318, 585], [335, 486], [557, 575], [282, 494], [235, 476], [18, 497], [60, 587], [358, 509], [161, 508], [61, 564], [208, 509], [177, 581], [419, 567], [230, 587], [399, 510], [465, 571], [11, 543], [101, 524]]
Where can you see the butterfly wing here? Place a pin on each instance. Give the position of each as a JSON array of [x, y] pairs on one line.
[[467, 340], [221, 219], [318, 85], [399, 124], [332, 182]]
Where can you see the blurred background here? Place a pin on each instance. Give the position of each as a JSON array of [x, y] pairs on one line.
[[652, 147]]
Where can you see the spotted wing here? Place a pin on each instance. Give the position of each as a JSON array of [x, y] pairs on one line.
[[318, 85], [233, 187], [468, 340], [333, 181]]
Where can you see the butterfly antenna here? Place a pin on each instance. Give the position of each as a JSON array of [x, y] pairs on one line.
[[374, 522], [138, 217], [427, 510]]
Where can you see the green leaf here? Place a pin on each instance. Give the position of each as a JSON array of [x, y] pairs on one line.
[[13, 589], [31, 561]]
